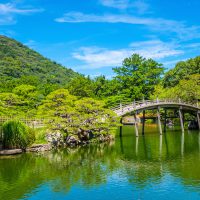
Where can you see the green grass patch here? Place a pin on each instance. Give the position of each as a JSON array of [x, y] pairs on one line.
[[40, 135]]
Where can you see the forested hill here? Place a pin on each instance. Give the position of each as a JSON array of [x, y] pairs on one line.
[[21, 65]]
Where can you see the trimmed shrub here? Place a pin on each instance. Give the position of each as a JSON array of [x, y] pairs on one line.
[[17, 135]]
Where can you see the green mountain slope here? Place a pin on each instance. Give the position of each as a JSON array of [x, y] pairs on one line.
[[21, 65]]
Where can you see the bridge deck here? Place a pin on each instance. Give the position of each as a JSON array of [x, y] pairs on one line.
[[148, 105]]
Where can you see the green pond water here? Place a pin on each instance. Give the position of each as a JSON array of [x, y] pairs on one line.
[[148, 167]]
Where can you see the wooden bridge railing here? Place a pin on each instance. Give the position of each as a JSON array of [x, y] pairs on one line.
[[122, 109], [137, 104]]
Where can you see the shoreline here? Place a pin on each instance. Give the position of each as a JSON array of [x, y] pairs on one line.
[[71, 142]]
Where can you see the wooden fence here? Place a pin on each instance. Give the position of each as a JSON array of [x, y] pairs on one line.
[[31, 122]]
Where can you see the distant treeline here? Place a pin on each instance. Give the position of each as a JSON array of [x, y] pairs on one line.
[[27, 78]]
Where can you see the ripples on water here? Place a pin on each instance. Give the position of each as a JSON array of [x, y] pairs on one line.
[[149, 167]]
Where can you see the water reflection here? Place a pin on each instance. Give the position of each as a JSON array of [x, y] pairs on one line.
[[135, 162], [182, 143], [160, 147], [199, 141], [136, 145], [154, 146]]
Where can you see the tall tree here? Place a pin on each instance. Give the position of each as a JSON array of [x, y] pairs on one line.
[[81, 86], [187, 89], [70, 115], [182, 70], [138, 76]]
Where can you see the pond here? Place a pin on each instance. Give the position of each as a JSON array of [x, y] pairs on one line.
[[148, 167]]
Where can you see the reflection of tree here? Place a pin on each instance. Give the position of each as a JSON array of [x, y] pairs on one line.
[[142, 174], [87, 165], [145, 165], [18, 175], [187, 169], [90, 166]]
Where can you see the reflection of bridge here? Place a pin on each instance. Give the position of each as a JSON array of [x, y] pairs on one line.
[[138, 106], [160, 143]]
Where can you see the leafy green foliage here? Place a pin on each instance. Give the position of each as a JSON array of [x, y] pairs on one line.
[[114, 101], [9, 104], [138, 76], [20, 65], [187, 89], [135, 79], [17, 135], [57, 104], [40, 135], [32, 85], [93, 116], [68, 114], [181, 71], [81, 86], [105, 88], [26, 78]]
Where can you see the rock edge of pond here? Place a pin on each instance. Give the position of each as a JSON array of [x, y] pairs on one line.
[[7, 152], [55, 142]]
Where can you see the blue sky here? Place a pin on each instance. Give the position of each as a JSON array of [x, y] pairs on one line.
[[93, 36]]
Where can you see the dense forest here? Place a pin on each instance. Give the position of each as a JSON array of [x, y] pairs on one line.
[[77, 106], [28, 80], [21, 65]]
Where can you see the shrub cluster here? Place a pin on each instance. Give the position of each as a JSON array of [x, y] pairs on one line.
[[17, 135]]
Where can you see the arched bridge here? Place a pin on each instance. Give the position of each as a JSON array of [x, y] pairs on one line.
[[138, 106]]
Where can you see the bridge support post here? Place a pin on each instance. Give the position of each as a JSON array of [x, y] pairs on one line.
[[143, 122], [165, 120], [159, 121], [181, 119], [198, 119], [121, 107], [136, 126]]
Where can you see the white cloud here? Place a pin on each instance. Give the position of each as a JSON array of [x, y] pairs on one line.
[[157, 24], [4, 20], [156, 49], [9, 8], [139, 5], [120, 4], [95, 57], [192, 45], [31, 43], [8, 11], [78, 17]]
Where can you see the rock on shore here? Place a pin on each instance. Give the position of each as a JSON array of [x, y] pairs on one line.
[[6, 152], [56, 139], [39, 148]]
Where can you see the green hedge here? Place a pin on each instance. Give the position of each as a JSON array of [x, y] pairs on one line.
[[17, 135]]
